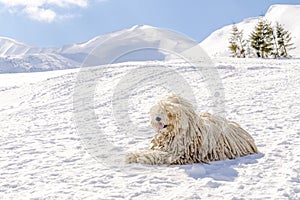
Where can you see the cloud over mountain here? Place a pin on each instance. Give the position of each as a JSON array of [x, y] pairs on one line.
[[43, 10]]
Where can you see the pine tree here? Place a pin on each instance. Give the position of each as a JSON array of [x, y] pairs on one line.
[[242, 44], [283, 39], [257, 38], [275, 52], [262, 40], [237, 43], [268, 47], [233, 41]]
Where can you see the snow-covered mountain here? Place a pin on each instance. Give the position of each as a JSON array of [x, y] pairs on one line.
[[113, 47], [35, 63], [11, 47], [16, 56], [136, 37], [217, 43], [19, 57]]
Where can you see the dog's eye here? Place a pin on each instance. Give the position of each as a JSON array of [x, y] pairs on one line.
[[169, 115]]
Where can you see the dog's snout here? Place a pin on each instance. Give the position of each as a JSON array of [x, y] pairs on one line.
[[158, 119]]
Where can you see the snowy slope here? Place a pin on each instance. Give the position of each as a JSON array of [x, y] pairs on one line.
[[35, 63], [217, 43], [143, 43], [43, 157], [106, 46], [20, 57], [11, 47]]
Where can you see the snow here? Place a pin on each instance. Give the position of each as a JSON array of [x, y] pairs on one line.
[[12, 47], [149, 42], [216, 44], [20, 57], [43, 155], [35, 63], [151, 39]]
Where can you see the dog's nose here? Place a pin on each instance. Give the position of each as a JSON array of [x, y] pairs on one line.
[[158, 119]]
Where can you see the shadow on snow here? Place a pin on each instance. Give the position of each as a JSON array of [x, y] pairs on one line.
[[220, 170]]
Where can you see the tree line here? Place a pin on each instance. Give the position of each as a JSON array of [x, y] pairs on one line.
[[265, 41]]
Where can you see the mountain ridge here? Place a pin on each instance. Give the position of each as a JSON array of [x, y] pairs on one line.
[[143, 42]]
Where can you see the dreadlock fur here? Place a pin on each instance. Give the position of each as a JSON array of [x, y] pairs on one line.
[[183, 137]]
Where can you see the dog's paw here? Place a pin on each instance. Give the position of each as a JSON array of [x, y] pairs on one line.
[[131, 157]]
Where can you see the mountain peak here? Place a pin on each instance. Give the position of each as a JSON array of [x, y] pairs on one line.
[[142, 27], [10, 40], [282, 7]]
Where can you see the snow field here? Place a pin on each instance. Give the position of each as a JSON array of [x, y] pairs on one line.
[[43, 156]]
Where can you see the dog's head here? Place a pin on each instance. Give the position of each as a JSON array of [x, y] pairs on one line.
[[171, 112]]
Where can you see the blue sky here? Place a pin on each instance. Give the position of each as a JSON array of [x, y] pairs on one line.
[[57, 22]]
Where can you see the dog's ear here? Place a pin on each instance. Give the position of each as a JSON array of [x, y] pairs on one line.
[[176, 113], [169, 109]]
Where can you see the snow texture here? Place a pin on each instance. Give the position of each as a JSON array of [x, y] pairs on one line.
[[43, 157]]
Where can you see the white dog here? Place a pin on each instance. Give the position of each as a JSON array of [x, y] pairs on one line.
[[183, 137]]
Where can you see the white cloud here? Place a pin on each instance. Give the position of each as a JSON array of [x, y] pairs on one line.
[[42, 10], [40, 14]]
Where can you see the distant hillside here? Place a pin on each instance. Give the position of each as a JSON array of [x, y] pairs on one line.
[[19, 57], [216, 44]]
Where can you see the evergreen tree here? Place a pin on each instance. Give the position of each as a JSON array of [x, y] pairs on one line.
[[283, 41], [275, 52], [237, 43], [249, 50], [256, 38], [268, 47], [262, 40], [233, 41]]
